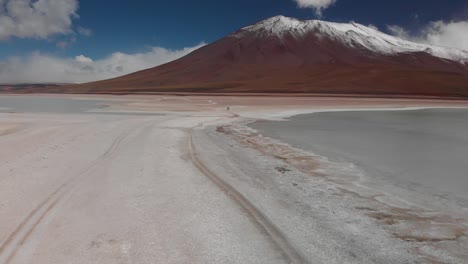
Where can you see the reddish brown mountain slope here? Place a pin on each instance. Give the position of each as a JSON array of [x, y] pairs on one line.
[[284, 55]]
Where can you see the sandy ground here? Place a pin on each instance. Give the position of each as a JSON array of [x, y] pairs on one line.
[[170, 188]]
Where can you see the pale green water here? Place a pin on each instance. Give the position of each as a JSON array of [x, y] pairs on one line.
[[58, 105], [421, 148], [34, 104]]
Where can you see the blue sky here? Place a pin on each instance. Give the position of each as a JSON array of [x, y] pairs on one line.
[[99, 30]]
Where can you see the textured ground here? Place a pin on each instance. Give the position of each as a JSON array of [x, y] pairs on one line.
[[169, 188]]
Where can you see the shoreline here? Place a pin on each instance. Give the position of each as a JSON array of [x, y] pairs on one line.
[[248, 94], [365, 177], [309, 210], [246, 124], [430, 233]]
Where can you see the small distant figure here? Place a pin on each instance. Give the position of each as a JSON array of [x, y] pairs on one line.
[[227, 108]]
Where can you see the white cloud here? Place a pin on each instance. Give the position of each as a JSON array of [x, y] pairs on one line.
[[318, 5], [36, 18], [399, 31], [83, 59], [452, 34], [40, 68], [449, 34]]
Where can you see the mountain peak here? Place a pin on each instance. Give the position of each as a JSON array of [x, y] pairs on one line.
[[279, 20], [351, 34], [276, 26]]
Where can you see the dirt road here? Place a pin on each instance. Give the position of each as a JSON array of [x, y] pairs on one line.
[[111, 189]]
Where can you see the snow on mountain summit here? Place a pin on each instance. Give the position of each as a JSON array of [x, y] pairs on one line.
[[351, 34], [285, 55]]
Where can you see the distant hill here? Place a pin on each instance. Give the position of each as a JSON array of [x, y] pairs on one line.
[[26, 88]]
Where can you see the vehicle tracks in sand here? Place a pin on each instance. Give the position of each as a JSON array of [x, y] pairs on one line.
[[10, 247], [290, 253]]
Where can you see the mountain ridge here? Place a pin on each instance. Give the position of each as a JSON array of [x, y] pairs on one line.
[[285, 55], [383, 43]]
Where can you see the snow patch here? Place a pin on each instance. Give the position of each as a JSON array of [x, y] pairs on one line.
[[350, 34]]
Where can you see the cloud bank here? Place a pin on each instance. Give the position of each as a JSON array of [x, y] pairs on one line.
[[36, 18], [318, 5], [41, 68], [448, 34]]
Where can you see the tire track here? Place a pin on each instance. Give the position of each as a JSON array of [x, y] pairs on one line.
[[23, 231], [274, 233]]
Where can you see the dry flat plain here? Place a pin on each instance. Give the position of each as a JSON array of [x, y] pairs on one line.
[[181, 179]]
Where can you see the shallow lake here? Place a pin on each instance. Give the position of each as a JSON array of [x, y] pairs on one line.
[[61, 105], [40, 104], [425, 148]]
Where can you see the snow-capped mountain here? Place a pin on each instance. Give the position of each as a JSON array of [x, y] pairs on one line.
[[352, 34], [286, 55]]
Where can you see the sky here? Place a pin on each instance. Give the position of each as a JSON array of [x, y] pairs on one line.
[[85, 40]]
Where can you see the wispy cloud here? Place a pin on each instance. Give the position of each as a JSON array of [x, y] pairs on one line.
[[36, 18], [39, 67], [399, 31], [84, 31], [441, 33], [318, 5], [65, 43]]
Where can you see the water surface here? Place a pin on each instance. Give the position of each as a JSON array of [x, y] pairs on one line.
[[60, 105], [40, 104], [419, 148]]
